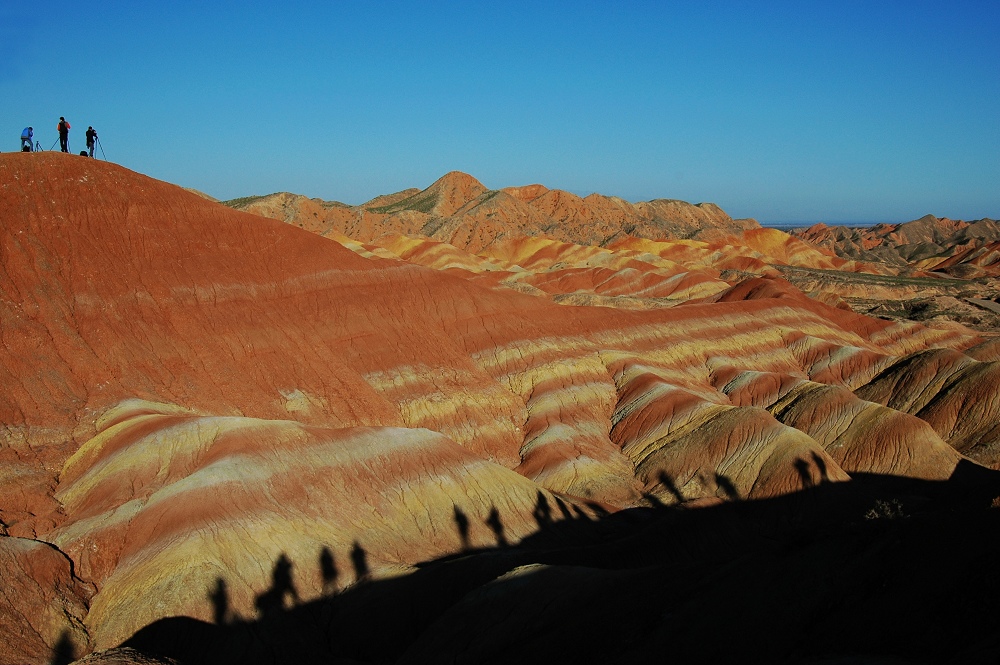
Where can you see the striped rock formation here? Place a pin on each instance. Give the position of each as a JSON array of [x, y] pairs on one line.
[[220, 416], [156, 490], [460, 210], [959, 248]]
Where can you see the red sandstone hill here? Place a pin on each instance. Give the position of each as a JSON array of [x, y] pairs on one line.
[[210, 416], [597, 249], [461, 211]]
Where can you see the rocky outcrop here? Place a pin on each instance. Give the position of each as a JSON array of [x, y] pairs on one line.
[[43, 604]]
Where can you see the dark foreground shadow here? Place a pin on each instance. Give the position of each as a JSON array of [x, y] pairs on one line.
[[876, 570]]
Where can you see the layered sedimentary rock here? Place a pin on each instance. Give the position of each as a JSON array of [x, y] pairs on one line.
[[220, 416], [460, 210], [630, 273], [156, 490], [958, 248], [950, 391], [934, 270], [43, 604]]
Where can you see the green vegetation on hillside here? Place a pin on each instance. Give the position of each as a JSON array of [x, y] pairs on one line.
[[422, 202], [881, 280], [243, 201], [327, 205]]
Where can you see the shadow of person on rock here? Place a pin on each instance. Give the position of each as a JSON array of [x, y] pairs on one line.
[[653, 500], [63, 653], [359, 559], [670, 486], [821, 465], [735, 558], [462, 524], [328, 571], [803, 469], [496, 526], [220, 601], [272, 601], [542, 512], [564, 509], [727, 487]]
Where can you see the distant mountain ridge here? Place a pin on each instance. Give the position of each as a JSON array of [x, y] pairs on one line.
[[955, 247], [603, 250], [460, 210]]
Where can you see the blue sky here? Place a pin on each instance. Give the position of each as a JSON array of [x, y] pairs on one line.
[[782, 111]]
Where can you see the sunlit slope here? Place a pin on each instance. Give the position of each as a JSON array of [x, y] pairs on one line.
[[632, 273], [954, 393], [190, 392], [156, 492], [118, 286]]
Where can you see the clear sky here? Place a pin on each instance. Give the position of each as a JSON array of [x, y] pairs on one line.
[[783, 111]]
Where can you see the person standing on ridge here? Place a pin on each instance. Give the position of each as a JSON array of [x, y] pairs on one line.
[[91, 139], [63, 128], [26, 136]]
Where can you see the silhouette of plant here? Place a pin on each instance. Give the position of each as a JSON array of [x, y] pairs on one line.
[[890, 509]]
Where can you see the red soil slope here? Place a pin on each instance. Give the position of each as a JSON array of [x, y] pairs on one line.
[[189, 393]]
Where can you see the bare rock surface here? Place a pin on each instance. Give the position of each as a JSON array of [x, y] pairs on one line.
[[43, 605]]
